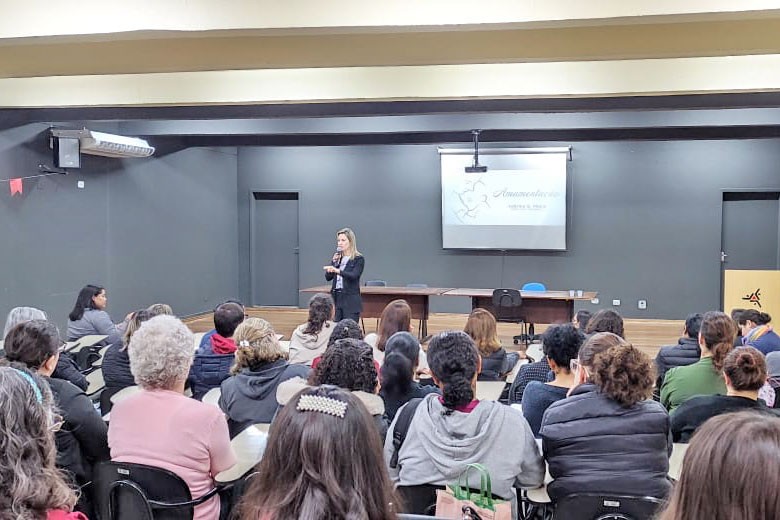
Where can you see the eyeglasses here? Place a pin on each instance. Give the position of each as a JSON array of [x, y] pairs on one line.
[[56, 423], [574, 364]]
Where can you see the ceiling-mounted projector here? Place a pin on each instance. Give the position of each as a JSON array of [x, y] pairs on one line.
[[106, 145]]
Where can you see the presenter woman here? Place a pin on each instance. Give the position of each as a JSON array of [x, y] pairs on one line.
[[345, 270]]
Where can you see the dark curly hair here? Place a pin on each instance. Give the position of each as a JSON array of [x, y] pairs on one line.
[[606, 320], [562, 343], [453, 359], [624, 373], [348, 364], [746, 369], [320, 311], [345, 329]]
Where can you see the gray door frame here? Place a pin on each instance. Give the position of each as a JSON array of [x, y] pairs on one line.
[[252, 270]]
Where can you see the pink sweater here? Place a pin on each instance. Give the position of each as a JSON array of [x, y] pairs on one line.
[[169, 430]]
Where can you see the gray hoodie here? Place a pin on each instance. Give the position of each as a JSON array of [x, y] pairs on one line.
[[438, 447], [305, 347]]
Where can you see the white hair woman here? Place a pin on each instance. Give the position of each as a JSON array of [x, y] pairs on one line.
[[160, 426], [32, 486]]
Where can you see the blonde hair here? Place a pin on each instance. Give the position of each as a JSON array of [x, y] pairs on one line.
[[347, 232], [256, 345], [481, 326]]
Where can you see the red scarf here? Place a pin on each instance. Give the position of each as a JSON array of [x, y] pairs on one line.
[[59, 514], [222, 345]]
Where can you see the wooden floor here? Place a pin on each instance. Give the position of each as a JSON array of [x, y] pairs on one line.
[[648, 335]]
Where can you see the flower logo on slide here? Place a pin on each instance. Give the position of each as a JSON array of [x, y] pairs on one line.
[[470, 199], [754, 297]]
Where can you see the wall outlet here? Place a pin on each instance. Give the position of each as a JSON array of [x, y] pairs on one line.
[[80, 185], [594, 301], [616, 303], [642, 304]]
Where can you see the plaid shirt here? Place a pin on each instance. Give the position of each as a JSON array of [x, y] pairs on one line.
[[537, 371]]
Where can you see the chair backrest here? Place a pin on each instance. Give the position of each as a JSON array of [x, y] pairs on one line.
[[376, 283], [507, 304], [125, 491], [595, 506], [534, 287]]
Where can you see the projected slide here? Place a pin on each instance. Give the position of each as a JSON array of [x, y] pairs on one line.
[[519, 203]]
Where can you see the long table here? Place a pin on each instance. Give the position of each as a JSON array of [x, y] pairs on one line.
[[538, 306], [375, 299]]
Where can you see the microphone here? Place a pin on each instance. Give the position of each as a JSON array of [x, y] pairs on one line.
[[337, 257]]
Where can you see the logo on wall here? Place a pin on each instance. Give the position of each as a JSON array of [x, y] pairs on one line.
[[754, 297]]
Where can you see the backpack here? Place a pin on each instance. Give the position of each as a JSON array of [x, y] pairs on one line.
[[401, 428]]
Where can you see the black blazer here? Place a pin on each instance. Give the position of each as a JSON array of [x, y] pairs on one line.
[[350, 301]]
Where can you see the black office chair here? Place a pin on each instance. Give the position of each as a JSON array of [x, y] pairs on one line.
[[507, 307], [596, 506], [124, 491]]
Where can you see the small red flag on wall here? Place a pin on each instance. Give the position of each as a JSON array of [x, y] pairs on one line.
[[16, 186]]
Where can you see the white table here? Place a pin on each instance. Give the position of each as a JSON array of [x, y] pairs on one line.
[[212, 397], [84, 342], [248, 446], [490, 390], [125, 393], [95, 380]]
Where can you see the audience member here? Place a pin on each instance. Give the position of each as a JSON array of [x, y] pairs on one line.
[[716, 339], [344, 329], [32, 486], [402, 354], [310, 339], [773, 373], [116, 362], [536, 371], [730, 471], [89, 317], [81, 442], [744, 372], [212, 362], [348, 364], [450, 431], [606, 320], [396, 317], [608, 436], [323, 462], [735, 316], [756, 331], [581, 320], [686, 352], [496, 362], [205, 341], [157, 309], [161, 427], [249, 397], [66, 368], [560, 344]]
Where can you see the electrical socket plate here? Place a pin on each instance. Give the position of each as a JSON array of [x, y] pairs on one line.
[[642, 304], [616, 303], [594, 301], [80, 184]]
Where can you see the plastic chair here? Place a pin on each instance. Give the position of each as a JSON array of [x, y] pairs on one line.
[[530, 287], [596, 506], [124, 491], [507, 305]]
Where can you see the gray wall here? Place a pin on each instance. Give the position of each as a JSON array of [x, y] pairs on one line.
[[645, 218], [161, 229]]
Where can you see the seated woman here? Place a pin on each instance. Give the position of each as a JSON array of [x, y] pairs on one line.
[[156, 309], [396, 317], [161, 427], [608, 436], [116, 362], [402, 354], [705, 377], [606, 320], [89, 317], [730, 470], [745, 373], [449, 431], [756, 331], [346, 328], [496, 362], [67, 368], [249, 397], [323, 461], [310, 339], [560, 344], [348, 364], [32, 486], [81, 442]]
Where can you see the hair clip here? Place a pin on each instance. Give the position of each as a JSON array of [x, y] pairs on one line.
[[322, 404], [243, 343]]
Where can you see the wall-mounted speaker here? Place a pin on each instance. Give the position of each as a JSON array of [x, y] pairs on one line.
[[66, 153]]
